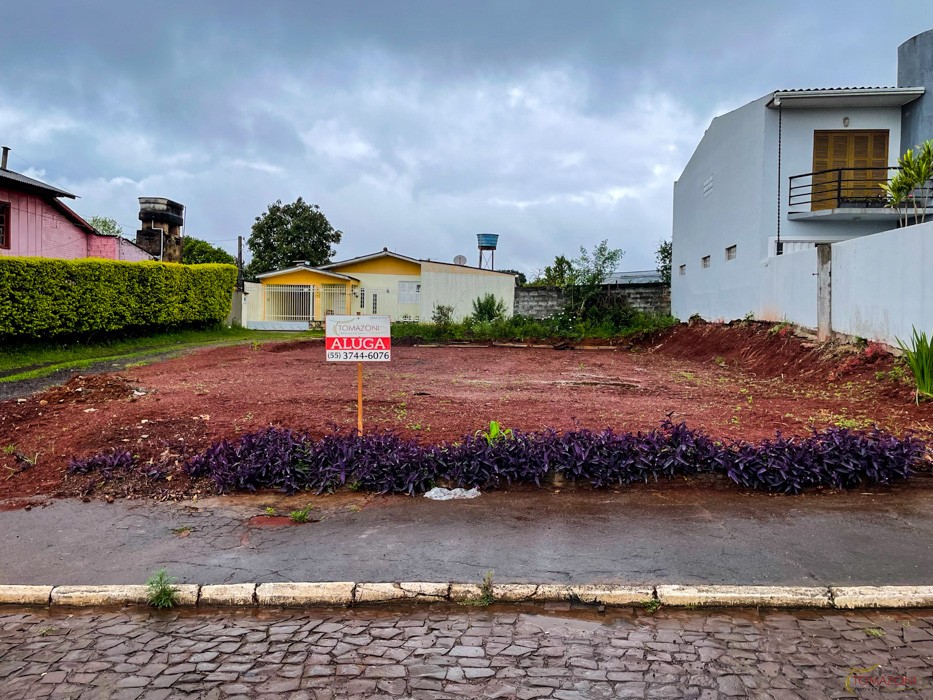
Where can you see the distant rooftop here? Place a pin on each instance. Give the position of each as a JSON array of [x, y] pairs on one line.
[[11, 177]]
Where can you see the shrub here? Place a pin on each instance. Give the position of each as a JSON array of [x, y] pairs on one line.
[[488, 308], [388, 463], [443, 314], [44, 297], [523, 328]]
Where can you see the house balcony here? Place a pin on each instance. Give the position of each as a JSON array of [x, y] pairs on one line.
[[841, 194]]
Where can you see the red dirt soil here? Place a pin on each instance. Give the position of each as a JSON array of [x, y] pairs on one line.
[[737, 382]]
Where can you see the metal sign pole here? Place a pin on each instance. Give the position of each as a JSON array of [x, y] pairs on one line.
[[359, 397]]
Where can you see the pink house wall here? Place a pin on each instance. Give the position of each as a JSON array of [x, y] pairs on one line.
[[133, 253], [37, 229]]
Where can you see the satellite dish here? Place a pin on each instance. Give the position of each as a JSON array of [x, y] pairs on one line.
[[460, 260]]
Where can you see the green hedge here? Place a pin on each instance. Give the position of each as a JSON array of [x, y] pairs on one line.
[[44, 297]]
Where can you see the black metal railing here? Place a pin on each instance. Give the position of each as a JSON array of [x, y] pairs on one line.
[[839, 188]]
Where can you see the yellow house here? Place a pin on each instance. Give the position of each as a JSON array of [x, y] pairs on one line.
[[383, 283]]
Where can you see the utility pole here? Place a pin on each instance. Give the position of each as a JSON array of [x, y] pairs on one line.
[[239, 263]]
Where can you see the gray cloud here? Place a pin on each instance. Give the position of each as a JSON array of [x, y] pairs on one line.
[[412, 124]]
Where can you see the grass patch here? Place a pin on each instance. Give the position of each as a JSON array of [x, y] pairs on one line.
[[302, 515], [652, 606], [162, 592], [30, 360]]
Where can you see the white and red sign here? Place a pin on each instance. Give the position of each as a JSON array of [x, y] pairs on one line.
[[358, 338]]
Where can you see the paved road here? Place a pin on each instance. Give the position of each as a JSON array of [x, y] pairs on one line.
[[444, 652], [640, 536]]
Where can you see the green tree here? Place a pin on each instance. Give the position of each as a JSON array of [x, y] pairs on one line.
[[195, 251], [662, 257], [106, 225], [286, 233], [560, 274], [591, 270]]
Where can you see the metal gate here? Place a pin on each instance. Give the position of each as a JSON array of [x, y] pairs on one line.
[[278, 306], [288, 302]]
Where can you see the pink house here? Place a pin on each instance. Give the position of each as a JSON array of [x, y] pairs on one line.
[[35, 222]]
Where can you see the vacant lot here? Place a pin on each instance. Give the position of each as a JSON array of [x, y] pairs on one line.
[[737, 383]]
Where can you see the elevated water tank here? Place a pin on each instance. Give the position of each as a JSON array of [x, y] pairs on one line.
[[487, 242]]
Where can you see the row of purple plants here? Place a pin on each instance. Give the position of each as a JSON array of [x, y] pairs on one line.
[[278, 458]]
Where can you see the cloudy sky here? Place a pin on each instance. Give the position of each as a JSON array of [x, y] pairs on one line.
[[413, 124]]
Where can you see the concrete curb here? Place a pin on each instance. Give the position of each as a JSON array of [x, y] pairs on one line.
[[745, 596], [848, 597], [346, 593]]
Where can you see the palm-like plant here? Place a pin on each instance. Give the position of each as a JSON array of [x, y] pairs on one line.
[[911, 184], [919, 356], [897, 189]]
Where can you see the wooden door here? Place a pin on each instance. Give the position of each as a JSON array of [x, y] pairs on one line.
[[857, 162]]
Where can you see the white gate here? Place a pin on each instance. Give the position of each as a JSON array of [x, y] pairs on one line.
[[279, 306]]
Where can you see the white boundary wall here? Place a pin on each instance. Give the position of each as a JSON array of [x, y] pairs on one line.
[[882, 285], [458, 286], [789, 288]]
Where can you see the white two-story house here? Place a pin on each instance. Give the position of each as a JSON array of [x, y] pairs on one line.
[[787, 171]]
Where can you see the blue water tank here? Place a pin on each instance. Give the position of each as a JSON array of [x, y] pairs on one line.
[[487, 241]]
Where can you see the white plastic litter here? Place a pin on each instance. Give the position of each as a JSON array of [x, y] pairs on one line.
[[439, 494]]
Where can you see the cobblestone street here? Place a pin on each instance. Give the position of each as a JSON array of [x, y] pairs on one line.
[[452, 652]]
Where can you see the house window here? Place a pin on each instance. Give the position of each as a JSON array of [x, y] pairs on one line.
[[362, 298], [375, 304], [730, 253], [408, 292], [683, 270], [4, 225], [705, 261]]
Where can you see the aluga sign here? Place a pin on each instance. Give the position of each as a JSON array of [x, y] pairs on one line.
[[358, 339]]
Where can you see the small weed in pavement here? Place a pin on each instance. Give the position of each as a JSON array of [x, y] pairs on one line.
[[269, 510], [162, 594], [45, 630], [485, 593], [182, 530], [301, 515], [652, 606], [876, 632]]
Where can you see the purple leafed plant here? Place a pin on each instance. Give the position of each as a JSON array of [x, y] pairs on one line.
[[387, 463], [107, 464]]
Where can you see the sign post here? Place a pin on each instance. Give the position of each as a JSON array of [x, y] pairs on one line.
[[358, 339]]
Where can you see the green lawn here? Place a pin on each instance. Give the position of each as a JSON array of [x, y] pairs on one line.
[[32, 360]]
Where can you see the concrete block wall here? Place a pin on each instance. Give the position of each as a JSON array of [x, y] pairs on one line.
[[540, 302]]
